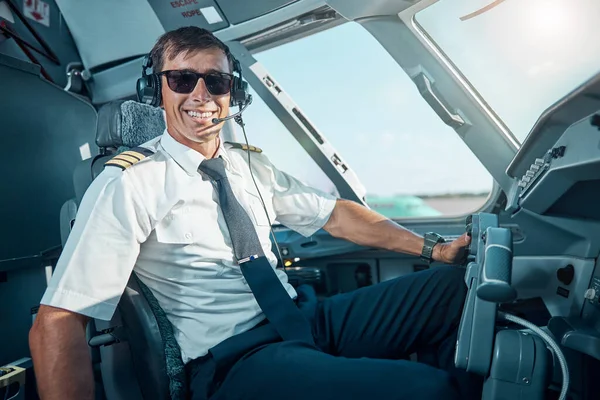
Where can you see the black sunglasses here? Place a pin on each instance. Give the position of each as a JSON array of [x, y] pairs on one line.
[[184, 82]]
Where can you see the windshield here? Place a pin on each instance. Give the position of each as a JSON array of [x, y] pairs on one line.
[[520, 55], [360, 99]]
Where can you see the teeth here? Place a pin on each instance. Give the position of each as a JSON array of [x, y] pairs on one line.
[[196, 114]]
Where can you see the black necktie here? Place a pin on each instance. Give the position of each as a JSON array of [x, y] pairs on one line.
[[268, 290]]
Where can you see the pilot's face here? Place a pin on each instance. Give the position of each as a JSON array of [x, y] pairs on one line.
[[189, 116]]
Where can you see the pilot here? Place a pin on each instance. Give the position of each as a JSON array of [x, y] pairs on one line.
[[191, 218]]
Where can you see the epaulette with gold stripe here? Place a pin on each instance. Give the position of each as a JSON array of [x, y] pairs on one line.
[[127, 158], [244, 147]]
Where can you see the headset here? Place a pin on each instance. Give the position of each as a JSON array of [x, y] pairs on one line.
[[149, 86]]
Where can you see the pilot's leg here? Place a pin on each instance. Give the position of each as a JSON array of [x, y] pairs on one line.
[[292, 371], [419, 312]]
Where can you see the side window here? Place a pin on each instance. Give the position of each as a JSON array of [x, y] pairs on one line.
[[410, 162]]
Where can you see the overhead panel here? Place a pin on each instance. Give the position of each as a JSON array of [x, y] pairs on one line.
[[110, 30], [174, 14], [240, 11]]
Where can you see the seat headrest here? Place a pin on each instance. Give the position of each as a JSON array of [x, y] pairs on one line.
[[128, 123]]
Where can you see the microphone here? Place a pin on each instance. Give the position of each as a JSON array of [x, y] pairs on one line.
[[246, 104]]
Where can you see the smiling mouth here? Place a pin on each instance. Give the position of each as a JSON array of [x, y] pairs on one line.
[[202, 116]]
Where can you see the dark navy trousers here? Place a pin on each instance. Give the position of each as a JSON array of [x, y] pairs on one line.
[[364, 339]]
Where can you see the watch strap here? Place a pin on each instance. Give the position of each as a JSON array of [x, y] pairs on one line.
[[431, 239]]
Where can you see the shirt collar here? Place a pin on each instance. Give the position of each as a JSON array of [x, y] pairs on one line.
[[190, 159]]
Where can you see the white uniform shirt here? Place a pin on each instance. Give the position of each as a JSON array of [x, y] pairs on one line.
[[162, 217]]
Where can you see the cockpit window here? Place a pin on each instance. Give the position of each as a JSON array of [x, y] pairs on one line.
[[360, 99], [520, 55]]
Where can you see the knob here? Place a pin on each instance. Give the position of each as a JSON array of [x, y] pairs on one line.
[[590, 294]]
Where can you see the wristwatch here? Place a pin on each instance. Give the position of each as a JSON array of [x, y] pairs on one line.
[[431, 239]]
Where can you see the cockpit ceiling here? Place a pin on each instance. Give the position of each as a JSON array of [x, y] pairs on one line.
[[110, 31]]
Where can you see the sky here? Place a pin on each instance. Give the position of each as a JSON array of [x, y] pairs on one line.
[[360, 99]]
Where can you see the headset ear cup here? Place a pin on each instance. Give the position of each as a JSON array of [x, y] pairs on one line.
[[146, 89], [239, 92], [140, 87], [239, 88], [244, 94], [232, 96]]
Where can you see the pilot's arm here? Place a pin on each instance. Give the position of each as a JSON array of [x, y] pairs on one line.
[[306, 210], [89, 279], [358, 224]]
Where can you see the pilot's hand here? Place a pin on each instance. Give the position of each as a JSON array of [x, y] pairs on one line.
[[454, 252]]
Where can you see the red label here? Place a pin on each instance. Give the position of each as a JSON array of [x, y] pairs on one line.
[[183, 3]]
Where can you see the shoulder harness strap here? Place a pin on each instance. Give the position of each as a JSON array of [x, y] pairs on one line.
[[244, 147], [127, 158]]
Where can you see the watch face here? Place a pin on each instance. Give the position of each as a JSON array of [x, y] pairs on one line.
[[434, 237]]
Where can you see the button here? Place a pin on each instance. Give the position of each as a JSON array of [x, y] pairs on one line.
[[188, 235], [590, 294]]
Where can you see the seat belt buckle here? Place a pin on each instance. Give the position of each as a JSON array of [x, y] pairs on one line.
[[251, 258]]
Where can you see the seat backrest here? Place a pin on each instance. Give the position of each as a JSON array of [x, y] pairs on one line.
[[155, 354]]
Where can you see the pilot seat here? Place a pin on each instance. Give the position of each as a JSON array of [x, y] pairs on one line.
[[135, 355]]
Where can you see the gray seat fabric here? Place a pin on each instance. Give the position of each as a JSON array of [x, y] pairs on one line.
[[121, 125], [155, 354], [127, 124]]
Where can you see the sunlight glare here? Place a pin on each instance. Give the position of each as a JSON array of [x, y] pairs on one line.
[[548, 18]]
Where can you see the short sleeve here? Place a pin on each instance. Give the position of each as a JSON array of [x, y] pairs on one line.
[[298, 206], [102, 248]]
